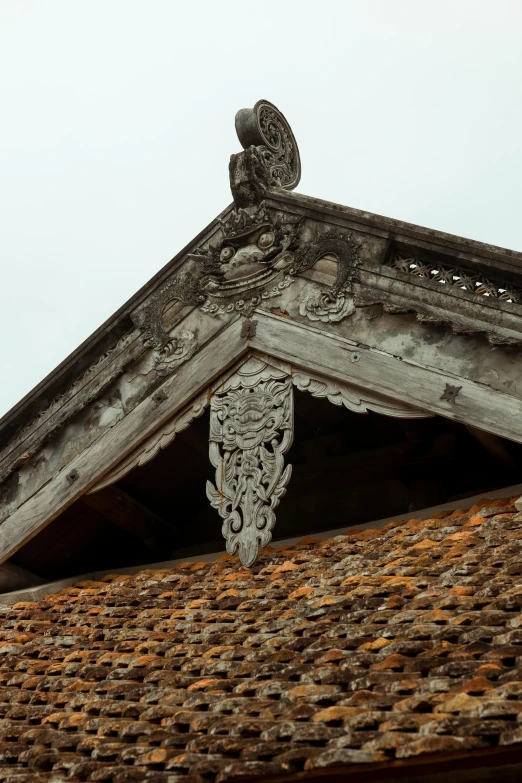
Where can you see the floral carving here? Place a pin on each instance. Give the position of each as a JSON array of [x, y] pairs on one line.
[[335, 303], [174, 353], [251, 428], [327, 306]]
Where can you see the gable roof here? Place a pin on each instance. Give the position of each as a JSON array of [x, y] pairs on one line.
[[370, 651], [498, 261], [357, 305]]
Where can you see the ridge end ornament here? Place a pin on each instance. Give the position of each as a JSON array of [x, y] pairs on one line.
[[270, 156], [251, 428]]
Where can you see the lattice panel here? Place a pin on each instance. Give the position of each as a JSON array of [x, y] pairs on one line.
[[465, 280]]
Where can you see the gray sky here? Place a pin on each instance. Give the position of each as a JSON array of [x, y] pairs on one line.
[[118, 122]]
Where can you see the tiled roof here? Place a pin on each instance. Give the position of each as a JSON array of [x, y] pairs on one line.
[[370, 647]]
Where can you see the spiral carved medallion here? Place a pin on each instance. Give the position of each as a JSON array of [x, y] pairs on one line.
[[266, 128]]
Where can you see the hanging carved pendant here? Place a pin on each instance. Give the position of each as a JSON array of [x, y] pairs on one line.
[[251, 428]]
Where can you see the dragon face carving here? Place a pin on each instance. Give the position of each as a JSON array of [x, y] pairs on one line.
[[254, 253], [253, 261]]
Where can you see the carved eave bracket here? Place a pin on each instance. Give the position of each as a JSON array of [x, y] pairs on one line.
[[251, 428]]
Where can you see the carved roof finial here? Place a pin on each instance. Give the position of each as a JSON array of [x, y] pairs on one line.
[[270, 157]]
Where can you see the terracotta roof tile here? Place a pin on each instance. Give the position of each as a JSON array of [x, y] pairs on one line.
[[375, 646]]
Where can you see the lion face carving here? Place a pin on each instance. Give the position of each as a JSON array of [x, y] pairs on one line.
[[251, 420], [248, 258]]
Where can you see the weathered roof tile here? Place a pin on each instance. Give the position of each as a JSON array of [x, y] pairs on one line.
[[377, 645]]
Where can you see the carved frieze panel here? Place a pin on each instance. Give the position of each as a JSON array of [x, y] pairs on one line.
[[258, 256], [253, 260], [472, 282]]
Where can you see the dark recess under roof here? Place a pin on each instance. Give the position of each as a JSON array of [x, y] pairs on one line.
[[347, 469]]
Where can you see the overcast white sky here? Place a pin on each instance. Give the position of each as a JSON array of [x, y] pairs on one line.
[[117, 123]]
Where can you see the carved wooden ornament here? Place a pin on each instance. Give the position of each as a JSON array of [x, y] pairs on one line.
[[251, 428]]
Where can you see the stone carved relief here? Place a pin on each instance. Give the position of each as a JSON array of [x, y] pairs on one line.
[[251, 428], [270, 157]]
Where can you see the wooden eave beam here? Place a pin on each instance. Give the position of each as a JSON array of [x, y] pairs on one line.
[[498, 258], [84, 470], [297, 345], [416, 385]]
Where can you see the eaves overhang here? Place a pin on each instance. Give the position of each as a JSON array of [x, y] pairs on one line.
[[429, 323]]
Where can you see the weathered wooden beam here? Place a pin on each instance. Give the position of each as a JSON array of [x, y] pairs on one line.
[[299, 346], [134, 518], [421, 387], [84, 470]]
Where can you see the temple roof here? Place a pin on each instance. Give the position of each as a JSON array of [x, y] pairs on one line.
[[497, 261], [379, 650]]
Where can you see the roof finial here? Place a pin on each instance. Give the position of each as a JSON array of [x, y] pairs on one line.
[[270, 157]]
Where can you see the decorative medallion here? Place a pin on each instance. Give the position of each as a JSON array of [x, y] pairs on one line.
[[251, 428], [270, 157]]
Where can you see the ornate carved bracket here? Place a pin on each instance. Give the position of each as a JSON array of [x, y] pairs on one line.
[[251, 428]]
